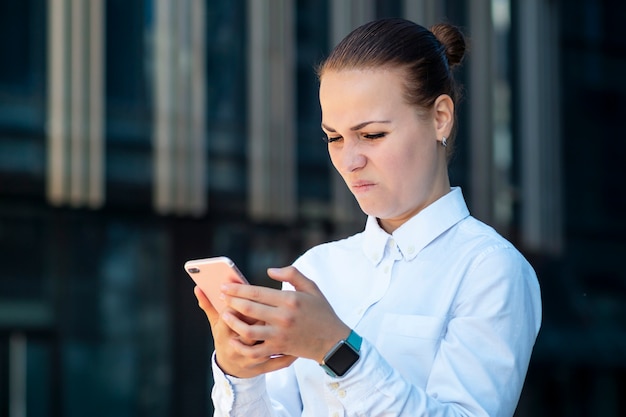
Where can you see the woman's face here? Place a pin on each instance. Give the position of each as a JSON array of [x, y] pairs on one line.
[[390, 157]]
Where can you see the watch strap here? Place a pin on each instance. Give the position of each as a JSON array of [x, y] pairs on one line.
[[354, 340]]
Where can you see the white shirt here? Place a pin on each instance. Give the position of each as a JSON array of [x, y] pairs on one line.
[[448, 310]]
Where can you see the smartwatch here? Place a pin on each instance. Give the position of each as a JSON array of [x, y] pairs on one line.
[[343, 356]]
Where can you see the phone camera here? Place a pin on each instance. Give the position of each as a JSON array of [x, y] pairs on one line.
[[193, 270]]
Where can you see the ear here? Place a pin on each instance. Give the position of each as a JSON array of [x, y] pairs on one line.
[[444, 116]]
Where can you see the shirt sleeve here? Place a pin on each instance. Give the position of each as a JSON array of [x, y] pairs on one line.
[[480, 367], [484, 355], [248, 397]]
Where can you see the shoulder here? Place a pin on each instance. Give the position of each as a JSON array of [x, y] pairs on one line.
[[492, 260], [474, 255], [479, 241]]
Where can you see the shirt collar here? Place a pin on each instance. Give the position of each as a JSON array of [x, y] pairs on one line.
[[417, 232]]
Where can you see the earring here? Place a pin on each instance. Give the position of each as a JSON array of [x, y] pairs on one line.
[[444, 141]]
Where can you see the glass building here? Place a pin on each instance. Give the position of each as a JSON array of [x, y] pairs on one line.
[[135, 135]]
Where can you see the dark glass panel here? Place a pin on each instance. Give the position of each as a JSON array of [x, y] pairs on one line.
[[226, 37], [128, 164], [313, 164], [22, 97]]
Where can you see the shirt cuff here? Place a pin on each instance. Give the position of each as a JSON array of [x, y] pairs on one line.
[[226, 388], [356, 388]]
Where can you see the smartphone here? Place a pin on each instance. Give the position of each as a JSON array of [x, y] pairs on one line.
[[210, 273]]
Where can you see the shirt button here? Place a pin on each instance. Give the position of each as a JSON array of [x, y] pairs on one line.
[[335, 414], [386, 269], [342, 394], [411, 249], [334, 385]]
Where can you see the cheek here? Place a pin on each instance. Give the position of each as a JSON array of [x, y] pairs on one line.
[[410, 167], [401, 164], [333, 157]]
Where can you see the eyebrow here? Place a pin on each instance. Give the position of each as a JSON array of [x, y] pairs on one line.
[[356, 127]]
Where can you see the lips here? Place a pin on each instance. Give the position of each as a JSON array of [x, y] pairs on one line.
[[361, 186]]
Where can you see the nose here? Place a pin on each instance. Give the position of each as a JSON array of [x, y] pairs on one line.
[[349, 157]]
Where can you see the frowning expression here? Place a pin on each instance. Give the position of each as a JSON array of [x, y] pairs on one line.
[[386, 150]]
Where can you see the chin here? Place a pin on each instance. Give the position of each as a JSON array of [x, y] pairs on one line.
[[373, 207], [373, 211]]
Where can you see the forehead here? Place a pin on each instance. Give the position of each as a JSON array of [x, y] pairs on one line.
[[361, 81], [360, 94]]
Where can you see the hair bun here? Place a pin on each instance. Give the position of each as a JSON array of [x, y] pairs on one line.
[[452, 40]]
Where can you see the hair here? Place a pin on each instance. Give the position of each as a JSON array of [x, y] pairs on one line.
[[428, 58]]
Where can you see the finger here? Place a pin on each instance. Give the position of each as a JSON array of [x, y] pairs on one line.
[[291, 275], [278, 362], [206, 305], [259, 353], [246, 320], [273, 364], [258, 294], [249, 334], [253, 312], [249, 342], [267, 364]]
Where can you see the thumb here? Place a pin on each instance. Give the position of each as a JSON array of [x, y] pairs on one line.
[[291, 275], [206, 306]]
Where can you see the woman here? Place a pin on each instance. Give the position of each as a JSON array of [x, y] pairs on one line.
[[427, 312]]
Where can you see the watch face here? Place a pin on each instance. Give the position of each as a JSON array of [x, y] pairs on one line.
[[342, 359]]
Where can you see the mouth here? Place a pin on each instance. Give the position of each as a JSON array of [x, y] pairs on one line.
[[361, 186]]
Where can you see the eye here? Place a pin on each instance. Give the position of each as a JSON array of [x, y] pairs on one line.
[[375, 136], [329, 139]]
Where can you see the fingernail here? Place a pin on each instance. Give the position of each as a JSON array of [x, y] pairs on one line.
[[275, 271]]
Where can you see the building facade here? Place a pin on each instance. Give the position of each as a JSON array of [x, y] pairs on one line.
[[135, 135]]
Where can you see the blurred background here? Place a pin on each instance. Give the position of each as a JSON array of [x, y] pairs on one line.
[[138, 134]]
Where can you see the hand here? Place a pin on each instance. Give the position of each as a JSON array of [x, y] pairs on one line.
[[229, 360], [298, 323]]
